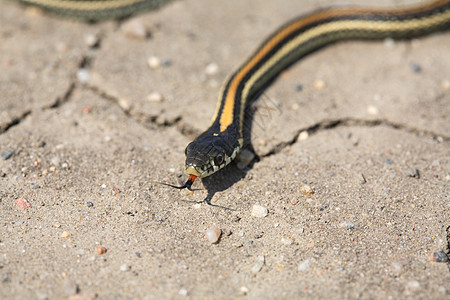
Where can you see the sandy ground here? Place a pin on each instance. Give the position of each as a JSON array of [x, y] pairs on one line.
[[82, 142]]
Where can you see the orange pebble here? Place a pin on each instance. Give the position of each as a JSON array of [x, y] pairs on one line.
[[101, 250], [23, 203]]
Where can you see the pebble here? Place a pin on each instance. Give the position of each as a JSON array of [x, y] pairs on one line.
[[211, 69], [439, 256], [65, 234], [166, 63], [415, 68], [259, 264], [135, 29], [91, 40], [213, 234], [244, 158], [155, 97], [55, 160], [243, 290], [83, 76], [348, 225], [23, 203], [304, 265], [115, 191], [125, 268], [89, 204], [86, 110], [412, 172], [7, 154], [372, 110], [183, 292], [299, 87], [101, 250], [154, 62], [307, 190], [124, 104], [319, 84], [259, 211], [303, 135]]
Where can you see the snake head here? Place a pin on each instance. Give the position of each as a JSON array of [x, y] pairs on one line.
[[211, 152]]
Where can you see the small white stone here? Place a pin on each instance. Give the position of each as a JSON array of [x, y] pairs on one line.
[[303, 135], [211, 69], [83, 76], [154, 62], [259, 211], [125, 267], [91, 40], [134, 28], [183, 292], [304, 265], [213, 233], [306, 190], [243, 290], [155, 97], [372, 110], [319, 84], [55, 161], [259, 264], [103, 186], [124, 104], [412, 286]]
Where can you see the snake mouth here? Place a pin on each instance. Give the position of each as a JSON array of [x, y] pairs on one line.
[[193, 171]]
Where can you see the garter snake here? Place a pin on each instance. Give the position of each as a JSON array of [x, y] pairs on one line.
[[221, 142], [94, 10]]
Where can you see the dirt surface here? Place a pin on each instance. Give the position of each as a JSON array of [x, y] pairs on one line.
[[353, 145]]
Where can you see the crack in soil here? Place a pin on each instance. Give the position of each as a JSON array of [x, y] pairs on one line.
[[14, 122], [85, 62], [346, 122]]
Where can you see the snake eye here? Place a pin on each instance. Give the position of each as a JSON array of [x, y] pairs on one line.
[[218, 160]]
